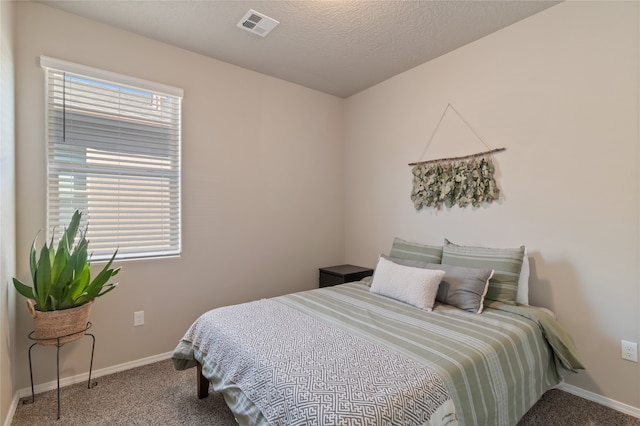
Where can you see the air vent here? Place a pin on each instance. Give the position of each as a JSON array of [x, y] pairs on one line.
[[257, 23]]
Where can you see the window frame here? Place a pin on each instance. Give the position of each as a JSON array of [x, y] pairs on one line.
[[170, 173]]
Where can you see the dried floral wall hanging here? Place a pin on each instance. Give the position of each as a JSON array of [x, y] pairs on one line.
[[458, 181]]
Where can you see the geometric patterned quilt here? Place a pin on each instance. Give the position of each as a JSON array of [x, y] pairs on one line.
[[299, 370], [344, 355]]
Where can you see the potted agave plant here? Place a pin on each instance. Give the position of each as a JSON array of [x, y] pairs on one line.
[[63, 292]]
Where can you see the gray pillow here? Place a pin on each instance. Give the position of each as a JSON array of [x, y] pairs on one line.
[[462, 287], [506, 263]]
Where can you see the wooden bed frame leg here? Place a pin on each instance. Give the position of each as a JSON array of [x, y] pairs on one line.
[[203, 383]]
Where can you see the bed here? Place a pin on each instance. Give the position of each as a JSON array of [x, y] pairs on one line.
[[351, 355]]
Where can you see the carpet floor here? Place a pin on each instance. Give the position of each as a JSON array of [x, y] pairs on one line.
[[157, 394]]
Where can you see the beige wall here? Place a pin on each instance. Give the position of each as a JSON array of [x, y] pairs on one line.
[[560, 90], [7, 210], [262, 188]]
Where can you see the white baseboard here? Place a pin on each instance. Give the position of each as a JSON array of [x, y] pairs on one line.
[[94, 374], [607, 402], [78, 379]]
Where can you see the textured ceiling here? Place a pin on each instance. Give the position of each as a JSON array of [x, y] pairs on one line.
[[337, 47]]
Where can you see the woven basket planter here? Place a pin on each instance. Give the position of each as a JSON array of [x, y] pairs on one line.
[[70, 323]]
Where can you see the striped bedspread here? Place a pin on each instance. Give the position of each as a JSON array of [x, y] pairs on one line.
[[342, 355]]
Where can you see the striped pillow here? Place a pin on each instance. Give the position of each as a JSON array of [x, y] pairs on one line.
[[506, 263], [402, 249]]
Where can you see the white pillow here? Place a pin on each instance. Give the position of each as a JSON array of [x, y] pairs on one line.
[[522, 298], [416, 286]]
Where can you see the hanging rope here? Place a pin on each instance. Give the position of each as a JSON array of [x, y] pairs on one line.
[[433, 134]]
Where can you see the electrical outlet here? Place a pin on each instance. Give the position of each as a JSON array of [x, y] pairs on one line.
[[629, 350], [138, 318]]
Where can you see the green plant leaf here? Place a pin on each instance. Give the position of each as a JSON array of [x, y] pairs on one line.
[[32, 259], [68, 271], [95, 287], [107, 288], [51, 252], [84, 298], [60, 260], [72, 230], [42, 283], [81, 255], [79, 283], [100, 281], [52, 303], [23, 289]]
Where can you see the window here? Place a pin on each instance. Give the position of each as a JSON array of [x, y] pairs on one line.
[[113, 152]]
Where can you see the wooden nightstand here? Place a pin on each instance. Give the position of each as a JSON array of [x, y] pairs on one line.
[[341, 274]]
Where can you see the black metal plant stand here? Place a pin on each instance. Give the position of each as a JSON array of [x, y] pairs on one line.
[[58, 345]]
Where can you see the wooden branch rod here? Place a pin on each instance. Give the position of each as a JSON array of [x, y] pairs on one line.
[[480, 154]]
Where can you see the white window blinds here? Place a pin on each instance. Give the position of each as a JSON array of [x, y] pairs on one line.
[[113, 151]]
